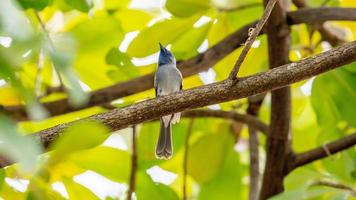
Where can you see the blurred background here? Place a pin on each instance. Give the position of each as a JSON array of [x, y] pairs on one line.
[[55, 49]]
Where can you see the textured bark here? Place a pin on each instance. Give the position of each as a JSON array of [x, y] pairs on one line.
[[190, 67], [217, 92], [278, 36]]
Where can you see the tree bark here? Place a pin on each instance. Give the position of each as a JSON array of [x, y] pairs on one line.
[[278, 35], [217, 92]]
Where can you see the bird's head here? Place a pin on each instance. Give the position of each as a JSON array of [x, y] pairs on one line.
[[165, 56]]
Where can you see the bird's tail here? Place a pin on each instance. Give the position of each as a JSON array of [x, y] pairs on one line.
[[164, 148]]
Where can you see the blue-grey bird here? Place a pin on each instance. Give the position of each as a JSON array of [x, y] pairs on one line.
[[168, 79]]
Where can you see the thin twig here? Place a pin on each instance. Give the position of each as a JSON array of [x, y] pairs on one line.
[[38, 79], [241, 7], [185, 161], [255, 103], [51, 43], [252, 37], [319, 152], [133, 165], [336, 186]]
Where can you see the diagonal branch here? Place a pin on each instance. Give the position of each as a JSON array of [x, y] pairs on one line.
[[253, 33], [188, 68], [216, 92], [324, 151]]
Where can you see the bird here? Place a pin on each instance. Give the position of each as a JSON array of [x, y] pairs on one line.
[[167, 80]]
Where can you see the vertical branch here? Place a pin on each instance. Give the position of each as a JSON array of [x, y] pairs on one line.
[[278, 144], [133, 165], [255, 103], [185, 161]]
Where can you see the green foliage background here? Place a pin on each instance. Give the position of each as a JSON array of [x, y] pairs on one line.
[[84, 49]]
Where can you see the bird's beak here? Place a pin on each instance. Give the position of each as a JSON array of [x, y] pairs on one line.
[[162, 47]]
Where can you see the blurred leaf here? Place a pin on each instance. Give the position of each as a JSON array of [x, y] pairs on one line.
[[300, 194], [208, 150], [224, 185], [35, 4], [147, 189], [115, 4], [186, 8], [187, 45], [133, 20], [39, 189], [114, 163], [62, 54], [89, 133], [77, 191], [333, 97], [22, 149], [125, 68], [93, 48], [165, 32], [2, 177], [13, 21], [81, 5]]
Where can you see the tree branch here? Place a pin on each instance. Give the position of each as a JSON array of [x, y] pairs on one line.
[[336, 186], [254, 104], [277, 147], [188, 68], [253, 33], [132, 182], [217, 92], [320, 152], [320, 15]]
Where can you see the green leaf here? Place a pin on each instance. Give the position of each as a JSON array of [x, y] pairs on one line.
[[186, 8], [102, 33], [81, 5], [224, 185], [2, 177], [133, 20], [35, 4], [62, 54], [16, 147], [115, 4], [333, 97], [208, 150], [300, 194], [165, 32], [114, 163], [77, 191], [84, 135], [13, 21], [146, 189], [125, 68], [187, 45]]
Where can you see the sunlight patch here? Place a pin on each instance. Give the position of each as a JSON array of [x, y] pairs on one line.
[[127, 40], [160, 175], [18, 184], [100, 185], [60, 188], [202, 21], [116, 141]]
